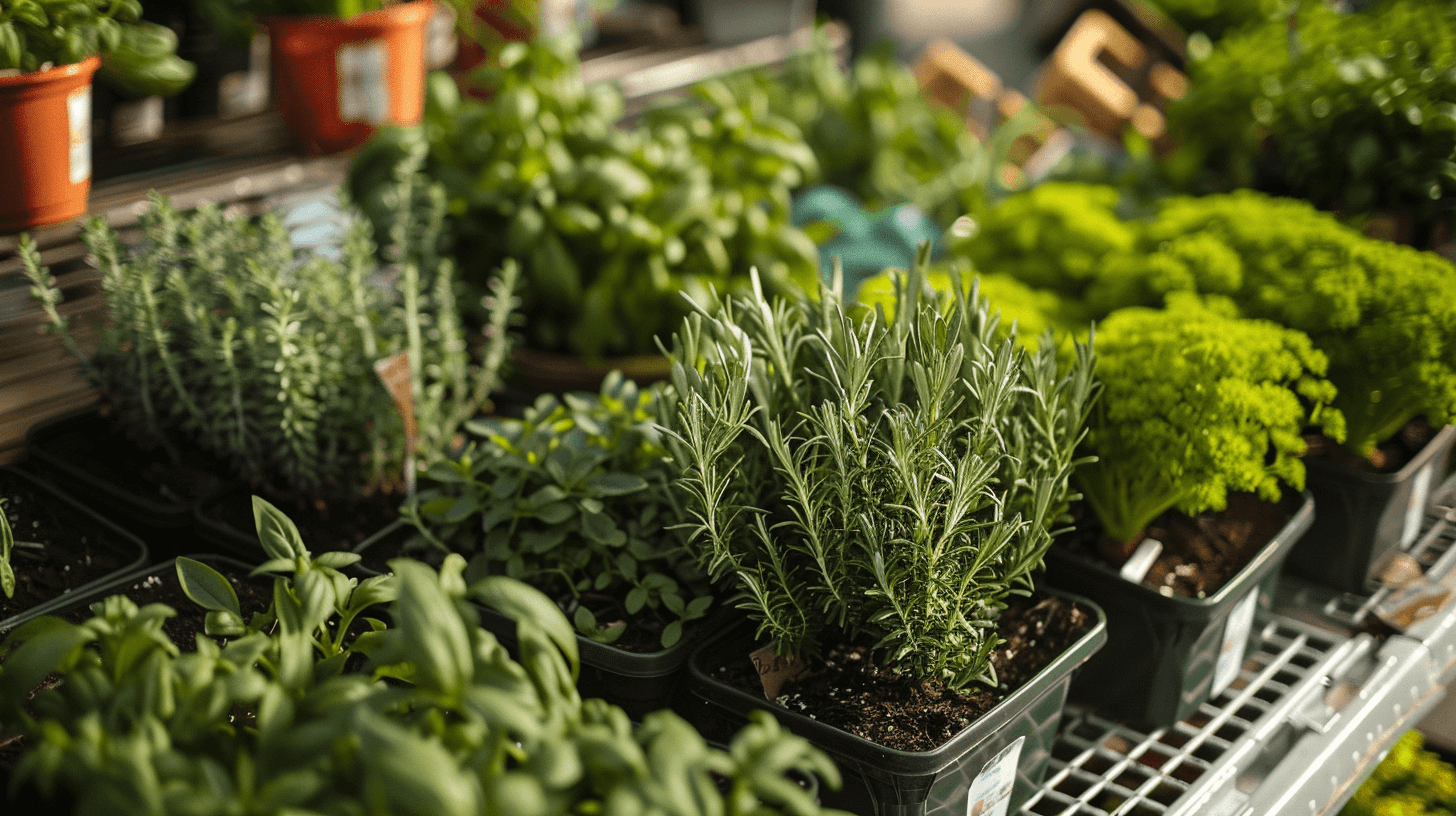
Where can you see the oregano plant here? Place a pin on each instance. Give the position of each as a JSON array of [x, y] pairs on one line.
[[894, 476]]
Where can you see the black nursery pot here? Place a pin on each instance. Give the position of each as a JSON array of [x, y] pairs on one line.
[[880, 781], [82, 525], [67, 447], [1183, 651], [637, 682], [1365, 517]]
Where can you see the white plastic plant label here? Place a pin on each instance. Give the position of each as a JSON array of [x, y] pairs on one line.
[[363, 82], [991, 791], [78, 116], [1420, 494], [1235, 638]]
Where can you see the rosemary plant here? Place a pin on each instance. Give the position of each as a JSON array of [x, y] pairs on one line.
[[861, 475], [225, 340]]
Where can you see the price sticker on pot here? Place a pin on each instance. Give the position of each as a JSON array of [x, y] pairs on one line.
[[78, 116], [363, 70], [991, 791], [1420, 495], [1235, 638]]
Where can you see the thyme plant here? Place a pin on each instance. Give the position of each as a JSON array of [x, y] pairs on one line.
[[222, 339], [861, 475]]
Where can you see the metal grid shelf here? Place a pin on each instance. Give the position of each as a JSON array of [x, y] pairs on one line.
[[1323, 694], [1103, 768]]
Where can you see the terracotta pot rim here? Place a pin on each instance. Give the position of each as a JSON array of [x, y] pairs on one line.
[[86, 66]]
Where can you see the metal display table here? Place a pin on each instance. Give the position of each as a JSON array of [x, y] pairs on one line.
[[1324, 692]]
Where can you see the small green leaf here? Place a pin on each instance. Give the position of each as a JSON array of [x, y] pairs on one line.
[[671, 634], [673, 602], [555, 513], [519, 601], [698, 607], [615, 484], [586, 622], [222, 623], [274, 565], [276, 531], [636, 599], [207, 587], [337, 560]]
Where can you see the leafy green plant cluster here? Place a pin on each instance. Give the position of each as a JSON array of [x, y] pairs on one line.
[[1196, 404], [856, 475], [1354, 112], [222, 339], [1410, 781], [272, 717], [1384, 315], [140, 56], [874, 133], [572, 499], [610, 224], [1215, 18]]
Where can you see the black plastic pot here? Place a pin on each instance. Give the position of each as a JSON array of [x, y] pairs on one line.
[[89, 527], [880, 781], [1365, 517], [61, 445], [1179, 651], [638, 682]]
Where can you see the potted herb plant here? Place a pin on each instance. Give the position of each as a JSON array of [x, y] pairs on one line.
[[49, 51], [1385, 317], [225, 341], [878, 487], [1195, 436], [610, 224], [52, 546], [459, 728], [573, 499], [1346, 110], [341, 68]]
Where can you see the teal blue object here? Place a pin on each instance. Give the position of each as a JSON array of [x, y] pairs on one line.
[[866, 242]]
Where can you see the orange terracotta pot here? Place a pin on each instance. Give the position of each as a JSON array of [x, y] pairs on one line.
[[45, 145], [339, 80]]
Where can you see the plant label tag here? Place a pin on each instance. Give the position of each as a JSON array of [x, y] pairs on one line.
[[363, 82], [774, 671], [1420, 496], [991, 791], [394, 372], [1142, 560], [78, 115], [1235, 639]]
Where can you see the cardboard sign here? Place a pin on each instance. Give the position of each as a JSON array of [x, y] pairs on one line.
[[394, 372], [775, 671]]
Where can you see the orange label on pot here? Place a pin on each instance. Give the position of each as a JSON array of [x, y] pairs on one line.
[[78, 116], [363, 70]]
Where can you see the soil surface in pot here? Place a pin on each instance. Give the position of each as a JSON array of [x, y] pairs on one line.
[[643, 634], [108, 454], [848, 689], [69, 555], [1200, 553], [324, 526], [1389, 456]]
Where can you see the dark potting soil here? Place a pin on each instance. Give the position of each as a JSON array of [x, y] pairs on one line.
[[1389, 456], [1201, 553], [106, 452], [643, 634], [71, 553], [850, 690], [324, 526]]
